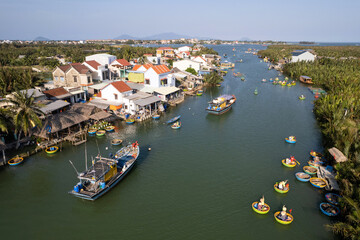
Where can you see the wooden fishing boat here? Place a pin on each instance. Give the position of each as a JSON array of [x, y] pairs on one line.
[[333, 198], [264, 210], [329, 209], [318, 182], [288, 220], [285, 190], [116, 141], [302, 97], [100, 133], [110, 128], [306, 79], [52, 149], [174, 119], [291, 165], [176, 125], [314, 164], [310, 170], [221, 104], [105, 173], [15, 161], [290, 139], [199, 93], [92, 131], [302, 177], [156, 117], [130, 121]]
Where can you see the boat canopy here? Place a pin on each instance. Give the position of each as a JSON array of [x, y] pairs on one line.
[[96, 171], [226, 97]]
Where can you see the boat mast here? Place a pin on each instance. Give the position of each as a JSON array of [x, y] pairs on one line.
[[74, 167], [86, 166]]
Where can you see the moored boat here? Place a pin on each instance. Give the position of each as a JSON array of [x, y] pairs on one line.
[[264, 210], [288, 163], [105, 173], [221, 104], [282, 187], [110, 128], [289, 85], [302, 177], [315, 164], [100, 133], [174, 119], [52, 149], [15, 161], [92, 131], [256, 91], [289, 218], [130, 121], [242, 78], [290, 139], [302, 97], [310, 170], [333, 198], [318, 182], [315, 154], [116, 141], [156, 117], [329, 209], [199, 93], [176, 125], [293, 83]]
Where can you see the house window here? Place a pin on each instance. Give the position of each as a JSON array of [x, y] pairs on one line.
[[75, 78], [164, 82], [61, 78], [56, 78], [147, 81], [126, 107], [115, 96], [89, 80]]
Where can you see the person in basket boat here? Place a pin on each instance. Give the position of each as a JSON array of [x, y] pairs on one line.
[[290, 161], [283, 216], [261, 204], [283, 185]]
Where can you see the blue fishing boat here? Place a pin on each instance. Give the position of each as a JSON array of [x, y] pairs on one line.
[[174, 119], [290, 139], [221, 104], [105, 173], [130, 121], [332, 198], [302, 177], [156, 117], [329, 209]]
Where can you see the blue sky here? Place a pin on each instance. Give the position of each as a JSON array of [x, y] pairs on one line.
[[315, 20]]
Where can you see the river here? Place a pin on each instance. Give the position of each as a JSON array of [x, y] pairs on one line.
[[197, 182]]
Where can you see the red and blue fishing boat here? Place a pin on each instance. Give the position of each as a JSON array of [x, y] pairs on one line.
[[221, 104]]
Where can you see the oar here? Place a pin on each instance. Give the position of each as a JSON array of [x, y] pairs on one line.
[[297, 162]]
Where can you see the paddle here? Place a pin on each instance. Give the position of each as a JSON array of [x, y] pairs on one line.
[[297, 162]]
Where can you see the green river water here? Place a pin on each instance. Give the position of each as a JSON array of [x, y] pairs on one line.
[[198, 182]]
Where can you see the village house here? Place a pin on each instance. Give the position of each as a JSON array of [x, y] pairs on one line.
[[119, 68], [302, 55], [186, 79], [141, 104], [99, 72], [59, 93], [187, 63], [211, 58], [136, 75], [183, 49], [158, 76], [102, 58], [115, 92], [72, 75], [165, 52]]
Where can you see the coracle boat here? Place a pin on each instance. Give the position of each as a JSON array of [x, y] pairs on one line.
[[52, 149], [302, 177], [291, 164], [156, 117], [116, 141], [130, 121], [289, 85], [283, 83], [15, 161], [290, 139], [109, 128], [276, 79], [318, 182], [310, 170], [302, 97], [242, 78], [315, 154], [288, 220], [174, 119], [293, 83], [264, 210], [285, 190], [199, 92], [332, 198], [100, 133], [221, 104], [105, 173], [329, 209], [315, 164], [263, 80], [176, 125], [92, 131]]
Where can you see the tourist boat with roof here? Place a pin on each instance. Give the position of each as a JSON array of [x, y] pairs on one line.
[[221, 104], [105, 173]]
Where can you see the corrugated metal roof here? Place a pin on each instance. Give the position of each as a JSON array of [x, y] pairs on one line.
[[166, 90], [54, 106], [146, 101]]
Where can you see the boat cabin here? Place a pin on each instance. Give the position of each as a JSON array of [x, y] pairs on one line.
[[306, 79]]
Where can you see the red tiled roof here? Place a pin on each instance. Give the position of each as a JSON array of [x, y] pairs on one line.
[[146, 66], [159, 69], [80, 68], [121, 86], [122, 62], [94, 64], [56, 92], [64, 68], [165, 48]]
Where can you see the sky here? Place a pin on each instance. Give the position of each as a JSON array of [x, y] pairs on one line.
[[279, 20]]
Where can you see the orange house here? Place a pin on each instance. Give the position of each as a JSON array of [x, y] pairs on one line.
[[165, 52]]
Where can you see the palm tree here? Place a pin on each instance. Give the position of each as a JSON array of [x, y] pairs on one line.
[[25, 113], [5, 119]]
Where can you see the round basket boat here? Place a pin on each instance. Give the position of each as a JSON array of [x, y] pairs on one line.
[[116, 141], [265, 209], [289, 85], [110, 128], [130, 121], [329, 209], [310, 170], [289, 219], [290, 139], [92, 131], [293, 83], [156, 117], [15, 161], [100, 133], [318, 182], [302, 177], [291, 165], [315, 154], [279, 190], [332, 198], [200, 93], [176, 125], [52, 149], [314, 164]]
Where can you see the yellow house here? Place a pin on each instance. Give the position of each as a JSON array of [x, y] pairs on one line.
[[165, 52]]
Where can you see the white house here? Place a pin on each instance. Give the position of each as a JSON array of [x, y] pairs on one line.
[[298, 56], [184, 49], [199, 59], [158, 76], [187, 63], [119, 68], [102, 58], [141, 103], [99, 72], [116, 91]]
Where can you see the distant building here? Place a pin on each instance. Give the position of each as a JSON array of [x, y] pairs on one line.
[[119, 68], [99, 72], [302, 55], [165, 52], [158, 76], [187, 63]]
